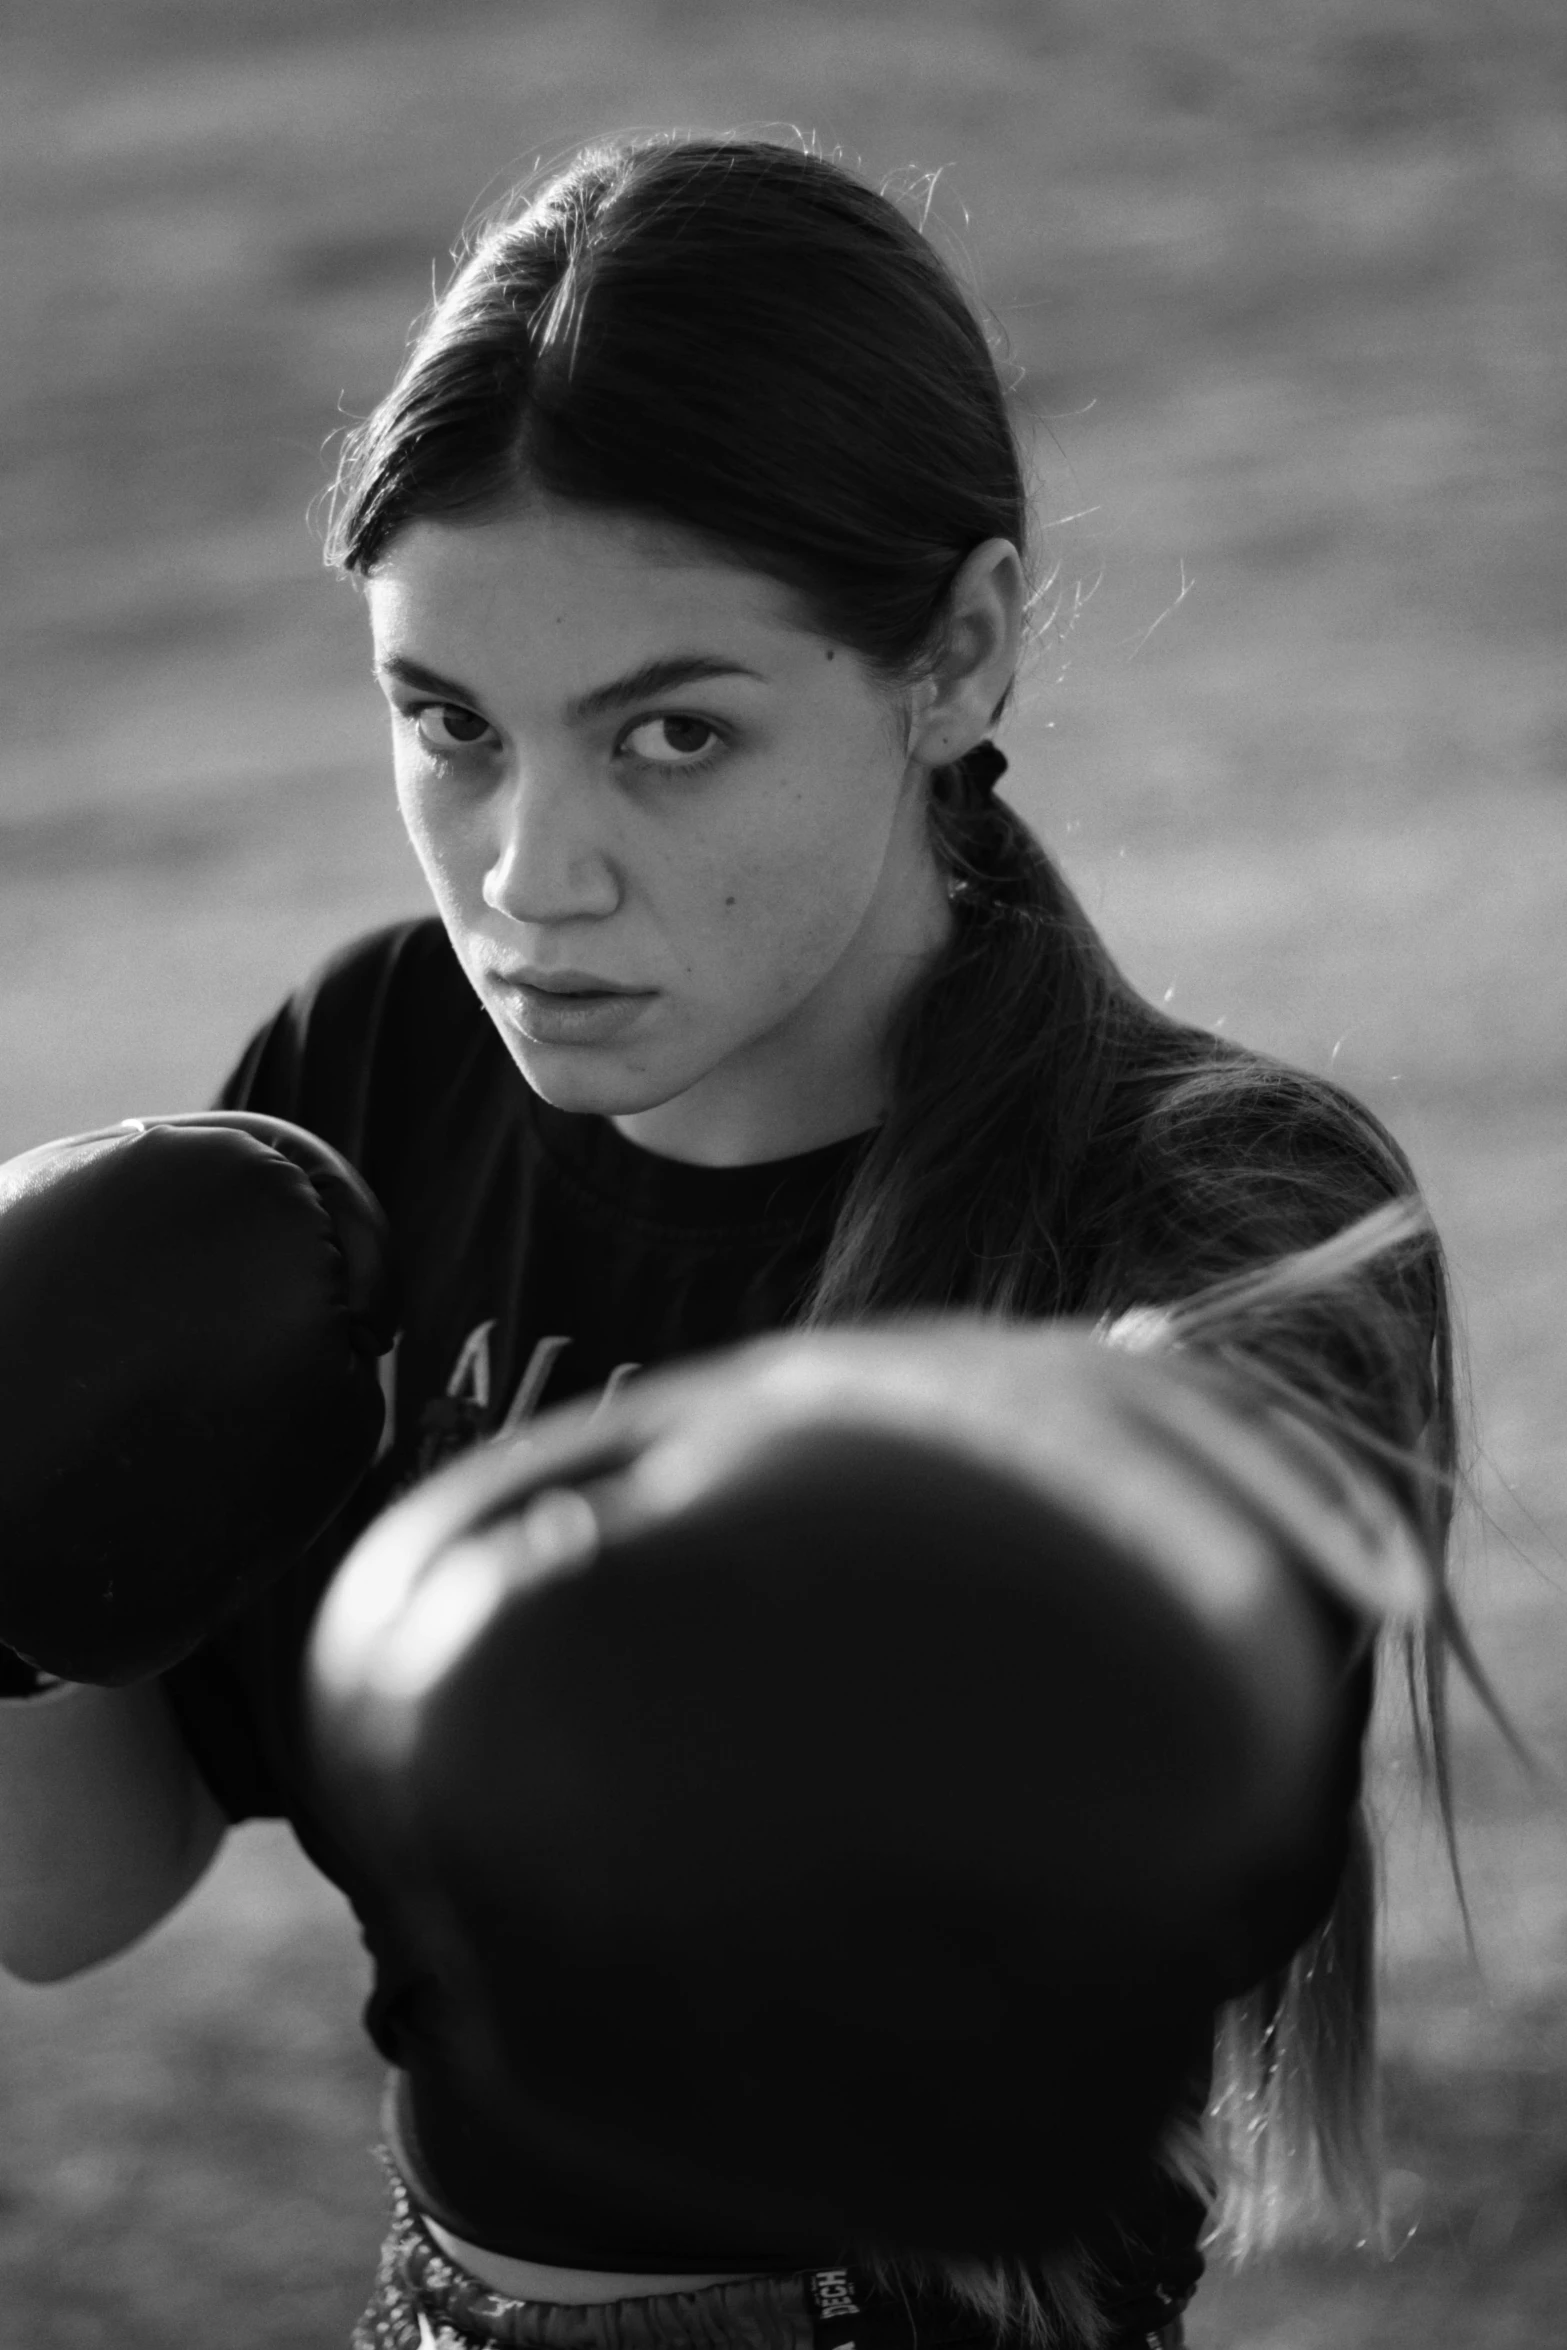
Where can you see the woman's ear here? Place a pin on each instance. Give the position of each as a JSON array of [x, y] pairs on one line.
[[955, 706]]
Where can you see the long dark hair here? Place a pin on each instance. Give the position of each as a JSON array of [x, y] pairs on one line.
[[730, 335], [743, 340]]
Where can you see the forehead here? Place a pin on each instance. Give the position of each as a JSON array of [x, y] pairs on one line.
[[577, 590]]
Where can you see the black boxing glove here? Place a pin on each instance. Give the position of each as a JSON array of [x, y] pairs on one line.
[[837, 1783], [191, 1309]]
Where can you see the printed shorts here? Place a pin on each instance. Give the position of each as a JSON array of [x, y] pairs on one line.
[[424, 2301]]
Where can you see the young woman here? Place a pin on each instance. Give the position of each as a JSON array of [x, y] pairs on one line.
[[695, 545]]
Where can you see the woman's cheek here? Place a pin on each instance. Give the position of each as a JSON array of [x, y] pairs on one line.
[[413, 802], [451, 858], [791, 947]]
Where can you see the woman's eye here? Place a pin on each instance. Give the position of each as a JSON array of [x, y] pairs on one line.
[[671, 741], [447, 726]]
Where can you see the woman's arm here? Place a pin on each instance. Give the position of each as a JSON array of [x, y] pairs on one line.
[[948, 1715], [105, 1825], [193, 1309]]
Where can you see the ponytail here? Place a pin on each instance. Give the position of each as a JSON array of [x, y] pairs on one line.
[[1007, 1065], [1056, 1145]]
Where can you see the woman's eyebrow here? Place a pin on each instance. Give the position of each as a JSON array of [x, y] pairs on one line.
[[654, 677], [425, 681]]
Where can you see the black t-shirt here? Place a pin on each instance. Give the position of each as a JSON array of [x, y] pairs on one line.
[[539, 1256]]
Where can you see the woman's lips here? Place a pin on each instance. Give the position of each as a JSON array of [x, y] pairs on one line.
[[567, 1015]]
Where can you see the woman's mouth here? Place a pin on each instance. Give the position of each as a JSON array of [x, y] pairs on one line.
[[569, 1008]]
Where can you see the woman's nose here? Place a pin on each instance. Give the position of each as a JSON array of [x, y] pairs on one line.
[[551, 861]]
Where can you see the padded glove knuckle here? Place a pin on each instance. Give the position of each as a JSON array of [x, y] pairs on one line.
[[193, 1307]]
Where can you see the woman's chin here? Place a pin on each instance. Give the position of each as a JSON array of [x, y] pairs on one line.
[[592, 1083]]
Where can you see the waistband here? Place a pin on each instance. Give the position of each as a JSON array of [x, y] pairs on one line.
[[425, 2301]]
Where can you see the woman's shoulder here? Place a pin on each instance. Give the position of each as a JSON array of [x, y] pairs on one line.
[[1238, 1131], [1216, 1160], [402, 969], [1238, 1162], [390, 1013]]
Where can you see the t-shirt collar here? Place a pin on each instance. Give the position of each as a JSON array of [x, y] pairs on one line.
[[675, 1193]]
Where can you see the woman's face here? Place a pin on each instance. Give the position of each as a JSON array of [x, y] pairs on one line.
[[674, 836]]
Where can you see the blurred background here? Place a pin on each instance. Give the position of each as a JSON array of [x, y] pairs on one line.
[[1283, 291]]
